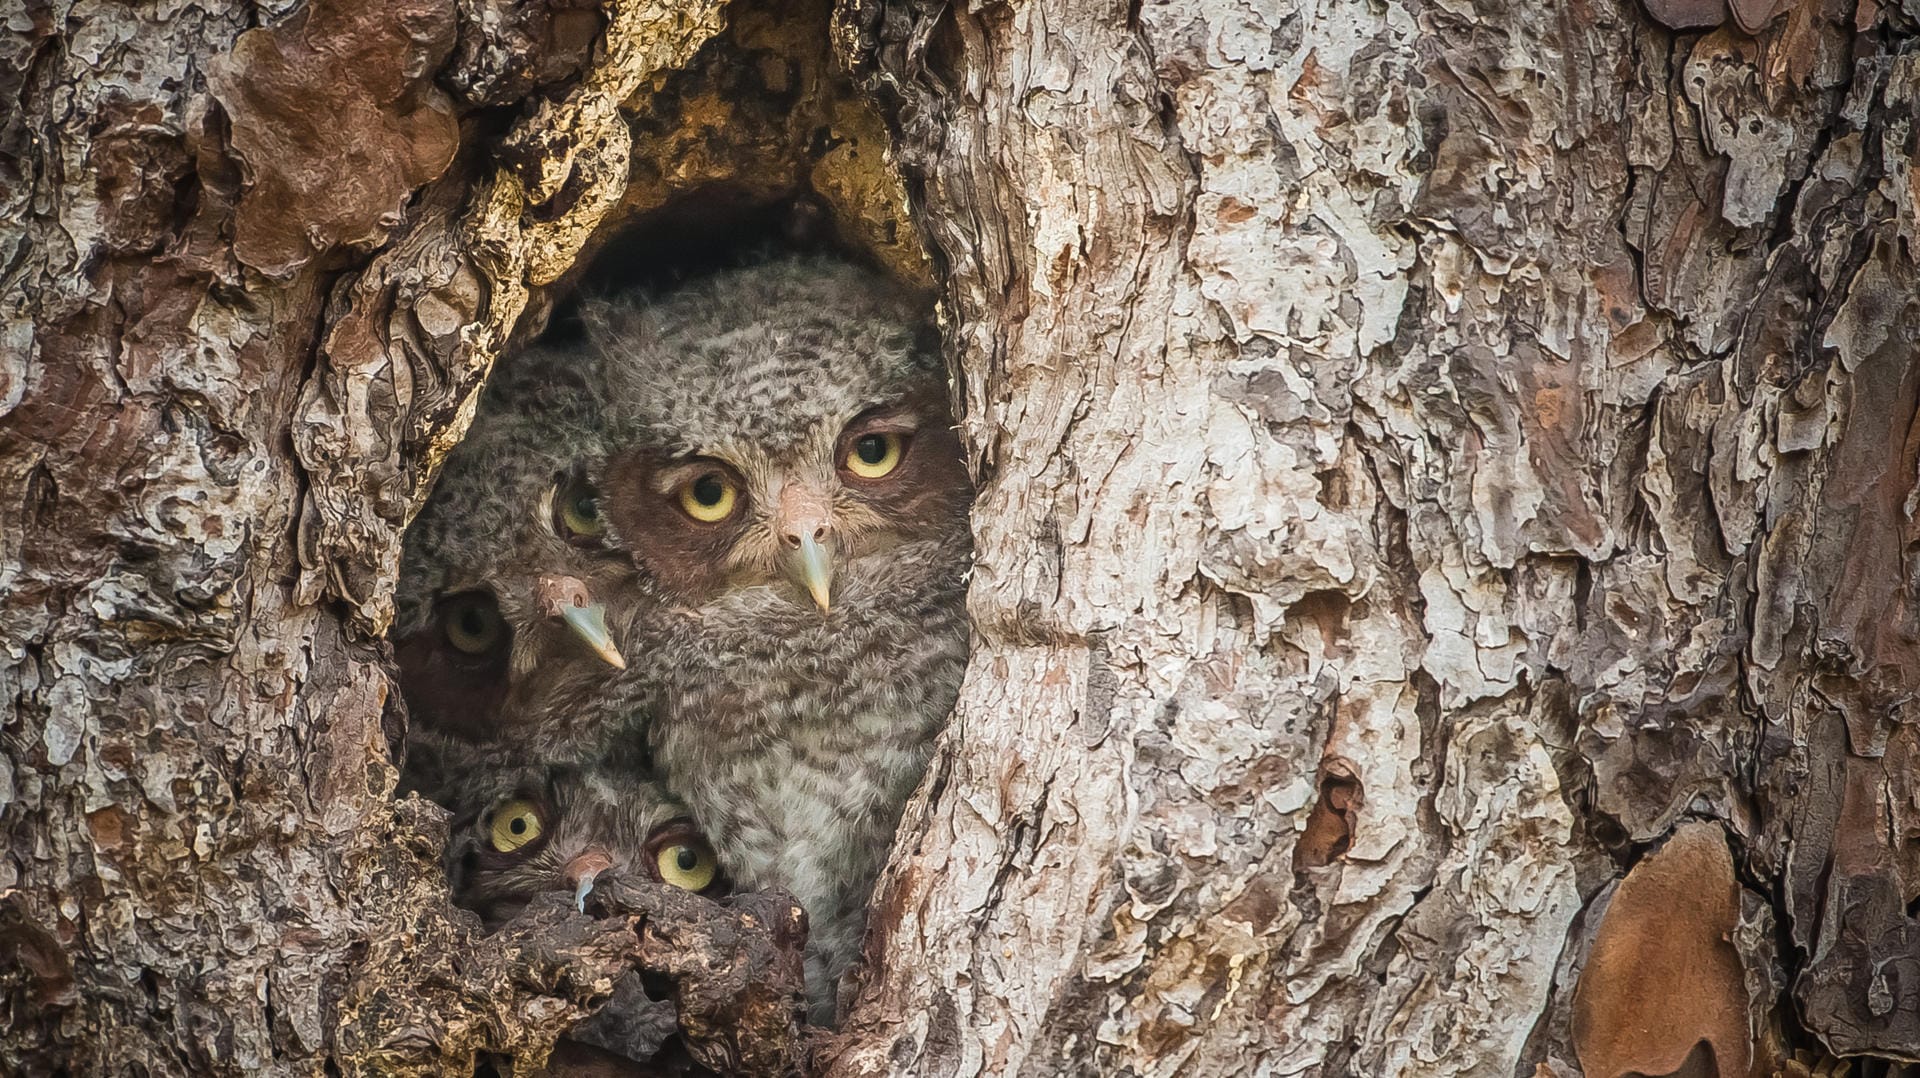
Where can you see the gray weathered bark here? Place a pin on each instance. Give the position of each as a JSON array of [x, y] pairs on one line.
[[1446, 585], [1432, 450]]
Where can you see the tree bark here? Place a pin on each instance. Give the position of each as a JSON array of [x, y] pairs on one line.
[[1445, 598], [1431, 452]]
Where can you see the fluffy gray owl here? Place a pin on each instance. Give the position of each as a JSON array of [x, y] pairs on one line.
[[500, 632], [784, 472], [520, 831]]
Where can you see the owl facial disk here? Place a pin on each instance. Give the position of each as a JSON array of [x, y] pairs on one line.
[[803, 520]]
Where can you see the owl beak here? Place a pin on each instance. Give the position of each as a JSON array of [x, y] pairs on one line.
[[582, 871], [811, 566], [566, 598], [590, 622], [804, 522]]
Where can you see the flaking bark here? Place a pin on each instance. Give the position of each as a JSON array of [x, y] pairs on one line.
[[239, 337]]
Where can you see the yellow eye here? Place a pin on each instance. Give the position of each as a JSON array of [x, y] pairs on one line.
[[513, 825], [710, 498], [576, 508], [688, 864], [473, 624], [874, 455]]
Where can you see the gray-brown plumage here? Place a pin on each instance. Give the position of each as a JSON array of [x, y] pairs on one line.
[[783, 470], [500, 636], [518, 832]]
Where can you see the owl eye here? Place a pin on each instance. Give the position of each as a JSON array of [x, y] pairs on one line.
[[710, 498], [473, 623], [513, 825], [874, 455], [689, 865], [576, 513]]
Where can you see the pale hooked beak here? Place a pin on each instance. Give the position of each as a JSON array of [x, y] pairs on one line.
[[804, 523], [582, 871], [811, 566], [590, 622], [566, 598]]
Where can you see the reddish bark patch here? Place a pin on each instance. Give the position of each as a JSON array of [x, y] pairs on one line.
[[139, 161], [32, 950], [1688, 14], [1752, 16], [1663, 991], [1330, 825], [335, 121]]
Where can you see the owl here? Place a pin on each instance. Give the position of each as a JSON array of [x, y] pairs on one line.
[[501, 633], [783, 471], [521, 831]]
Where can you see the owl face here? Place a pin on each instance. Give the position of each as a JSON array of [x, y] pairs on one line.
[[783, 432], [519, 832], [797, 523], [500, 622]]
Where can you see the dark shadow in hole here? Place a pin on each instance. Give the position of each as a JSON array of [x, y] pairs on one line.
[[715, 228]]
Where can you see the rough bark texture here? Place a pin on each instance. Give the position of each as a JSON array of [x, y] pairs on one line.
[[1430, 451], [1447, 532]]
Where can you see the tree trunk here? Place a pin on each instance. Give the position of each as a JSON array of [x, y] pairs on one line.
[[1432, 451], [1446, 574]]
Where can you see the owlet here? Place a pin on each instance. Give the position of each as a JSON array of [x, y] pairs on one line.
[[783, 470], [500, 633], [520, 831]]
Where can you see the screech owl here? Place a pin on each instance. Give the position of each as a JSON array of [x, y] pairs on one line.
[[783, 469], [500, 633], [519, 831]]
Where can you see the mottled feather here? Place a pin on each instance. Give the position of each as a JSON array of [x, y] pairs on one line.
[[590, 821], [487, 544], [795, 736]]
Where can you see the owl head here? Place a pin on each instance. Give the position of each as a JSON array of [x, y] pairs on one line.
[[781, 436], [503, 572], [518, 832]]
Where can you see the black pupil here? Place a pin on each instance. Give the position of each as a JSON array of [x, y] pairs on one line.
[[686, 859], [586, 507], [872, 448], [517, 825], [473, 622], [708, 490]]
